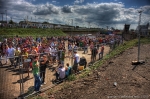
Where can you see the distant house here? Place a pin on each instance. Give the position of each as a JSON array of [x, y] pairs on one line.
[[3, 23], [23, 24], [143, 29], [117, 32], [29, 24]]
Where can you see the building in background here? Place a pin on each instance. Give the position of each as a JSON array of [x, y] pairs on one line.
[[143, 29]]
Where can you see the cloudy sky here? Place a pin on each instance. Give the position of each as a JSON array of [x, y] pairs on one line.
[[93, 13]]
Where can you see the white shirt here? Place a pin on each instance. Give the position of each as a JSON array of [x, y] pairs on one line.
[[11, 52], [53, 51], [47, 50], [77, 58], [61, 72]]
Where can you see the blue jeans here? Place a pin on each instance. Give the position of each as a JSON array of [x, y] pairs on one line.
[[101, 55], [85, 50], [37, 82]]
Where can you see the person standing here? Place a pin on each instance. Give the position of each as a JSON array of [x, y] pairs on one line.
[[101, 52], [93, 54], [43, 66], [11, 54], [25, 56], [36, 73], [76, 61], [17, 58]]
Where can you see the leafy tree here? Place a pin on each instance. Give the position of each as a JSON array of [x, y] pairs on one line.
[[11, 22], [45, 22]]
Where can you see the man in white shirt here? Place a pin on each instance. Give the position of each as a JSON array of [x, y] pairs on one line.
[[76, 61], [11, 54], [60, 72]]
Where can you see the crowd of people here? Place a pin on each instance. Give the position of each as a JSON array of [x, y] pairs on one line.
[[40, 52]]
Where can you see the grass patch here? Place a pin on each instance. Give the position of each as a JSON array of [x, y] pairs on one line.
[[71, 77], [84, 73], [30, 32]]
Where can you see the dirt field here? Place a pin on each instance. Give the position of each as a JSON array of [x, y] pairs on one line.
[[10, 79], [116, 79]]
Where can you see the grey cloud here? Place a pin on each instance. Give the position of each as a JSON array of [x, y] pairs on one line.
[[146, 9], [101, 13], [3, 4], [107, 13], [66, 9]]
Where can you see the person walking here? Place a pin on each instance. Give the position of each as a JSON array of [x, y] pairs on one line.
[[36, 73]]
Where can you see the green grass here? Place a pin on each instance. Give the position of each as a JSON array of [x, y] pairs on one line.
[[71, 77], [30, 32]]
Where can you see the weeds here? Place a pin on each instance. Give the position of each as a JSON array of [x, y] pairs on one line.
[[71, 77]]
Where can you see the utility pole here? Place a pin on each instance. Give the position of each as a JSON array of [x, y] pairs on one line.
[[2, 16], [139, 34], [6, 15], [72, 46], [72, 22], [76, 25], [89, 27], [27, 18], [35, 18]]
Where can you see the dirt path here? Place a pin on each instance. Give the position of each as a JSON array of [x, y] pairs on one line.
[[10, 79]]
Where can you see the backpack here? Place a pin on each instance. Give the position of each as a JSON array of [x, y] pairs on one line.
[[82, 61]]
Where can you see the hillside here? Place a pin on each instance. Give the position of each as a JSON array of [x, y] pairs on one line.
[[131, 81], [30, 32]]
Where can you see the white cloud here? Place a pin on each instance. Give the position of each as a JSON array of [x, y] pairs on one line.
[[78, 1]]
